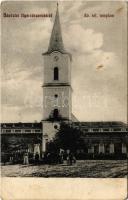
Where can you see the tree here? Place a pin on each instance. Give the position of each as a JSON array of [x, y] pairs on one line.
[[67, 137]]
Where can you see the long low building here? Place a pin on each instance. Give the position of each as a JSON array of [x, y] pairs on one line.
[[20, 138], [21, 128], [101, 138]]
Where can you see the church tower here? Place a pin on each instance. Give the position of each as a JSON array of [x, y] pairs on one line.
[[57, 81]]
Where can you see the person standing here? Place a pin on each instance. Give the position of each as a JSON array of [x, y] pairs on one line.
[[36, 158], [70, 158], [26, 161], [11, 158]]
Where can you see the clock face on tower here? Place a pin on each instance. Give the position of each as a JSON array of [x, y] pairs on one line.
[[56, 58]]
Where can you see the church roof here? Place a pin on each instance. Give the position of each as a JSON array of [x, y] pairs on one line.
[[100, 124], [20, 125], [56, 41]]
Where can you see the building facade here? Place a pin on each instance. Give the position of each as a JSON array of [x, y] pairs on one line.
[[101, 138], [104, 139]]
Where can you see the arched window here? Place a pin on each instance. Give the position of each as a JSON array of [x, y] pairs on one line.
[[56, 73], [55, 113]]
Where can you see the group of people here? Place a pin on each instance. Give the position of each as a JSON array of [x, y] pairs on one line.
[[47, 158], [53, 158], [26, 158], [20, 158], [71, 159], [58, 158]]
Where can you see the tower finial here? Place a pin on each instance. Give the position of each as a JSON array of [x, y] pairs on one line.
[[57, 4]]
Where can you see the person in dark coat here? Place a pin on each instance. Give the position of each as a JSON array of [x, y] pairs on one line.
[[36, 158], [70, 158]]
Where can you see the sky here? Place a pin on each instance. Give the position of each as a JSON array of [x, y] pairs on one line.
[[99, 65]]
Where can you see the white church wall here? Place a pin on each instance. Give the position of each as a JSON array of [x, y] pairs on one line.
[[62, 102], [63, 64]]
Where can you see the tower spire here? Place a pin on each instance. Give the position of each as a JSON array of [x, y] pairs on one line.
[[56, 41]]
